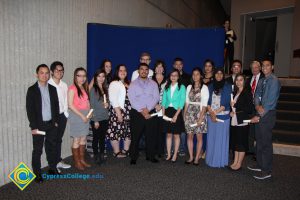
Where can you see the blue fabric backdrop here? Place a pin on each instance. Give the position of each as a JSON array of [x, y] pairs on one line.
[[123, 45]]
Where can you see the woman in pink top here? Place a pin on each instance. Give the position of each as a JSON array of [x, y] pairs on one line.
[[79, 105]]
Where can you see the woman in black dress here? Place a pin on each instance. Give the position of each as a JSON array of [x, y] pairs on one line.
[[118, 125], [242, 107]]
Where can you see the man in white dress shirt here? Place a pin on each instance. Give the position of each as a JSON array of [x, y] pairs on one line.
[[144, 58], [57, 73], [255, 67]]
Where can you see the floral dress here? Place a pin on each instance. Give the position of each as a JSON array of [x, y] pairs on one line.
[[119, 130], [193, 113]]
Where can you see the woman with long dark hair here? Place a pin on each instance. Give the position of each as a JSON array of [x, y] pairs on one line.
[[242, 107], [160, 78], [106, 66], [118, 125], [208, 71], [99, 121], [79, 105], [195, 113], [172, 104], [217, 149]]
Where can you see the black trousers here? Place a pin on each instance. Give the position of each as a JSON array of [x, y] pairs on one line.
[[50, 140], [60, 133], [161, 138], [251, 138], [140, 125], [99, 136], [264, 147]]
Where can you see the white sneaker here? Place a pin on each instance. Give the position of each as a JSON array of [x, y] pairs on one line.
[[63, 165], [59, 171], [254, 168], [263, 175]]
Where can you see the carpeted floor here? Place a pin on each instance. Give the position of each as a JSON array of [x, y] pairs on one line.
[[166, 180]]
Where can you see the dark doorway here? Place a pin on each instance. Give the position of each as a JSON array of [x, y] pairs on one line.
[[265, 38]]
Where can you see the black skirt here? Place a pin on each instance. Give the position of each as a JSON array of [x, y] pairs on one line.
[[239, 138], [175, 128]]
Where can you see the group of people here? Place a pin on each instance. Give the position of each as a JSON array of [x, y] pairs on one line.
[[160, 107]]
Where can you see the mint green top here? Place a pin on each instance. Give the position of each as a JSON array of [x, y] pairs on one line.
[[177, 100]]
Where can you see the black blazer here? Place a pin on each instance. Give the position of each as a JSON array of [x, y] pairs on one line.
[[185, 79], [229, 80], [244, 106], [34, 106]]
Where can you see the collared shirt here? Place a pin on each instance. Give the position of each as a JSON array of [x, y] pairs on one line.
[[267, 93], [143, 94], [46, 106], [62, 93], [135, 74], [256, 78]]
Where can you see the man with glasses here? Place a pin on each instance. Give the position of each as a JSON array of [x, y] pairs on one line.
[[57, 73], [144, 58], [252, 81], [236, 69]]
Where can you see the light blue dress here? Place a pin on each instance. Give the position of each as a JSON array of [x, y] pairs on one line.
[[217, 147]]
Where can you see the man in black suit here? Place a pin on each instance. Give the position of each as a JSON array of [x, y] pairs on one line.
[[255, 67], [43, 113], [236, 69]]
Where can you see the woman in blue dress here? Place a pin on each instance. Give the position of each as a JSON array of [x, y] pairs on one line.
[[217, 149]]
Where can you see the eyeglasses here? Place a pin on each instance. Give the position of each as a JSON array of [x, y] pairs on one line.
[[60, 70], [145, 60]]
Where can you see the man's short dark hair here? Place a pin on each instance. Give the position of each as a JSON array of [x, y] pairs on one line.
[[143, 64], [238, 61], [267, 59], [178, 59], [41, 66], [55, 64]]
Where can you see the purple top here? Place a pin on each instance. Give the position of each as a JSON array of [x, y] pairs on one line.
[[143, 94]]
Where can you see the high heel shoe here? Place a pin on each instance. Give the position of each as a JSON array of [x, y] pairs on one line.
[[174, 161], [196, 162], [189, 162], [168, 159]]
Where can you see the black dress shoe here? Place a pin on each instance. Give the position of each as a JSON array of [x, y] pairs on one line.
[[53, 172], [39, 178], [154, 160], [133, 162], [147, 158]]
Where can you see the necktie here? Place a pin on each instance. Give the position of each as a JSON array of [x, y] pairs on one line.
[[253, 85]]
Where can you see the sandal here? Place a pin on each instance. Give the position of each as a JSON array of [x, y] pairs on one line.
[[119, 155]]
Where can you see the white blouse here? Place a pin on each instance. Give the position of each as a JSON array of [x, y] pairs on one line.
[[172, 87], [117, 94]]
